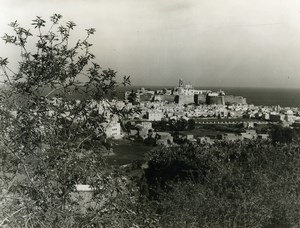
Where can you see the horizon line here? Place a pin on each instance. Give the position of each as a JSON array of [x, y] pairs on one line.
[[252, 87]]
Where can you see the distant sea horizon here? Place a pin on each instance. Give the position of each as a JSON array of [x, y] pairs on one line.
[[285, 97]]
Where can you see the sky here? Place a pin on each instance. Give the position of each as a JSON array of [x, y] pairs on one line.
[[232, 43]]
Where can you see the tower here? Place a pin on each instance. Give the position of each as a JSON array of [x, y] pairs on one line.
[[180, 83]]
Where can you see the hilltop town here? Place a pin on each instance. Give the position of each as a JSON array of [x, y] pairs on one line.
[[182, 114]]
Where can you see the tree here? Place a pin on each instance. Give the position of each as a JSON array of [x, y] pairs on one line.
[[181, 124], [50, 143], [191, 124], [132, 97], [281, 134]]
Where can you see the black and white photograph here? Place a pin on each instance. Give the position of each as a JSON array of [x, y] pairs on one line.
[[149, 114]]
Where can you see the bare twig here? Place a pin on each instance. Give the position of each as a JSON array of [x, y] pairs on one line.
[[83, 141], [52, 91], [7, 218]]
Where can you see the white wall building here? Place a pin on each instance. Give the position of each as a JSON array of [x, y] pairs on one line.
[[113, 130], [154, 115]]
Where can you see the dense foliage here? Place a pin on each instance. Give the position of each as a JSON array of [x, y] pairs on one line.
[[253, 184], [281, 134], [180, 124]]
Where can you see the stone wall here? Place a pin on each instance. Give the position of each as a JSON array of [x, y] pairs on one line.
[[215, 100], [197, 99], [200, 99], [184, 99], [230, 99]]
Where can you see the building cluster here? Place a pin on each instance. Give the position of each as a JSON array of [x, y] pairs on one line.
[[249, 134], [144, 130], [158, 110], [155, 111], [286, 116], [162, 109], [182, 94]]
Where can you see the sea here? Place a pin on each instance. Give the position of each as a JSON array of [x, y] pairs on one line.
[[284, 97]]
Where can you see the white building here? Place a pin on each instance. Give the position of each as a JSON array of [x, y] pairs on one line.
[[112, 130], [266, 116], [146, 125], [154, 115]]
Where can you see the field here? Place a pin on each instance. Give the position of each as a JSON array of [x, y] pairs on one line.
[[201, 132], [125, 151]]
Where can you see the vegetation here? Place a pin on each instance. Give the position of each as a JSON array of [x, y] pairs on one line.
[[253, 184], [237, 128], [175, 125], [283, 134], [49, 145], [132, 97]]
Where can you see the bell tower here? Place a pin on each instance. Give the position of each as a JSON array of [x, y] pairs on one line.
[[180, 83]]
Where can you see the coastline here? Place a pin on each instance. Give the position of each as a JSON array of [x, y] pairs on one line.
[[285, 97]]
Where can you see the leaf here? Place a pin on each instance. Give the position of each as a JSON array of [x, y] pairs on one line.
[[91, 31], [14, 24], [38, 22], [35, 56], [70, 25], [55, 18], [3, 62]]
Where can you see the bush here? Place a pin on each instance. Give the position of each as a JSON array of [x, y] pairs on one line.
[[251, 184], [49, 144], [281, 134]]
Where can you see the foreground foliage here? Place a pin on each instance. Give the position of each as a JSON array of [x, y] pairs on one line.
[[250, 184], [50, 144]]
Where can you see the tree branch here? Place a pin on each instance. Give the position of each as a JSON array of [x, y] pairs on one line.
[[12, 214]]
